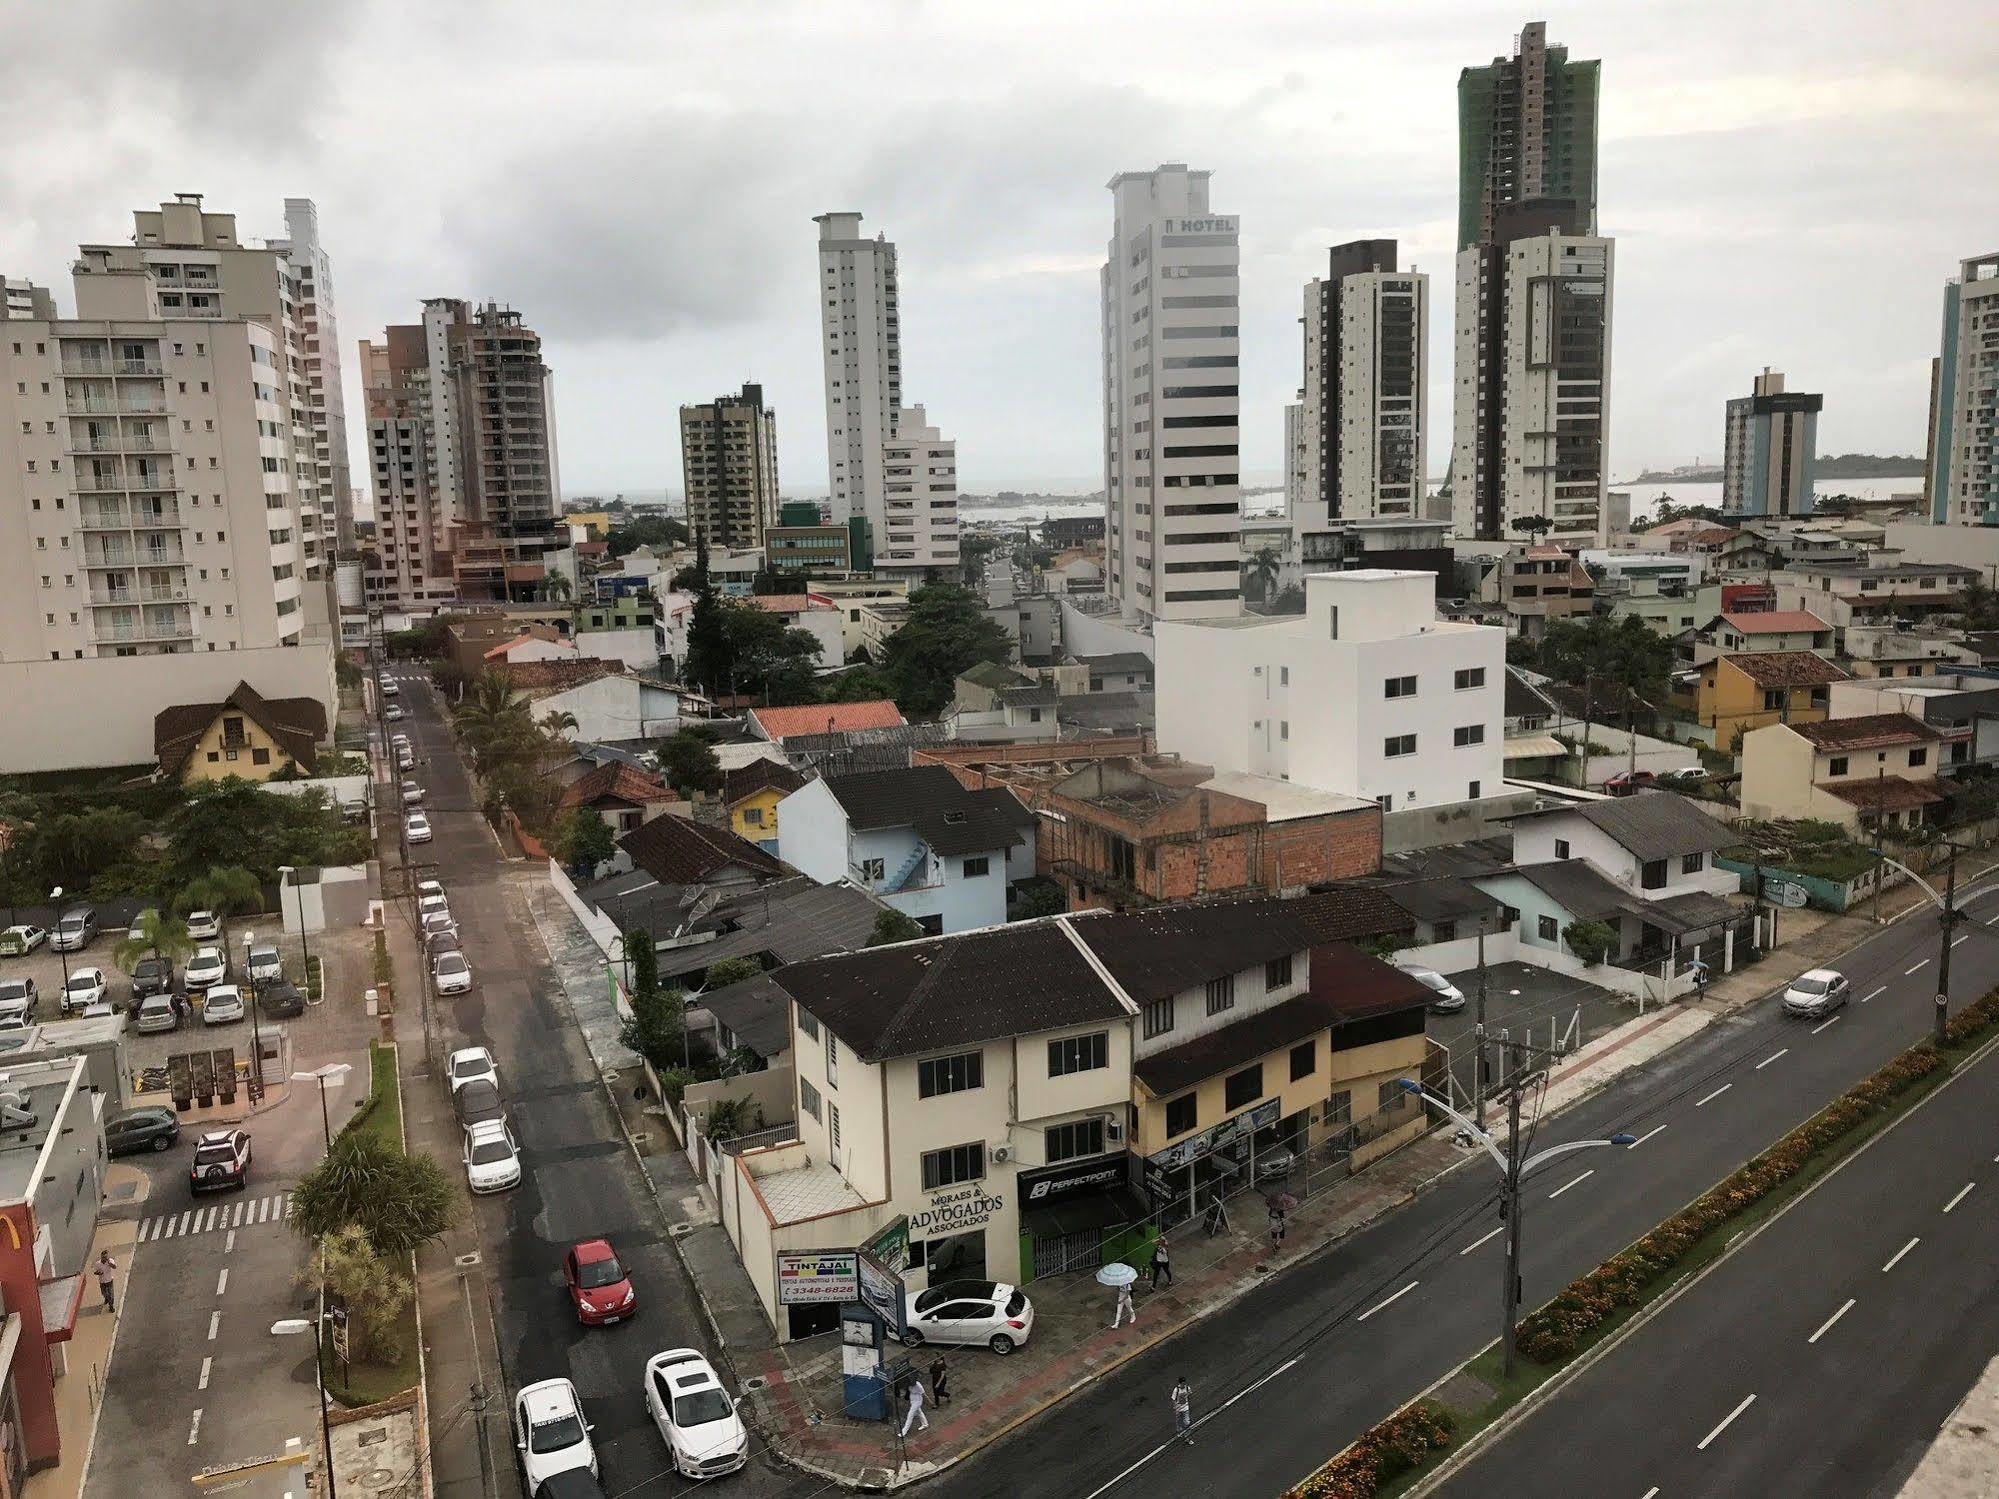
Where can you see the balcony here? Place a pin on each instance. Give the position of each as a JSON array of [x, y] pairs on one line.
[[145, 593], [121, 442], [85, 404], [88, 366], [141, 517]]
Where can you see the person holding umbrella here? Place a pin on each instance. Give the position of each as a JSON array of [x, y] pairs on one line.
[[1123, 1277]]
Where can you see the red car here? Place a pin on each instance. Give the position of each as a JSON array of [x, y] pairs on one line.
[[1625, 782], [598, 1286]]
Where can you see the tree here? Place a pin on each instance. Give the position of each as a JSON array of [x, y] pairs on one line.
[[227, 890], [1259, 574], [1290, 601], [72, 846], [689, 762], [374, 1292], [945, 632], [493, 724], [1605, 652], [222, 824], [1978, 606], [655, 531], [656, 1028], [401, 1202], [858, 684], [1036, 898], [1532, 526], [730, 971], [973, 550], [893, 926], [1592, 941], [159, 936], [586, 841], [730, 1117]]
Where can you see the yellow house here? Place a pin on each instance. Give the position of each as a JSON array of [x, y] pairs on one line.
[[751, 793], [588, 525], [1746, 691], [246, 734]]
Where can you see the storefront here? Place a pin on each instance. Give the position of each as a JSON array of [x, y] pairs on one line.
[[1078, 1215], [1254, 1148]]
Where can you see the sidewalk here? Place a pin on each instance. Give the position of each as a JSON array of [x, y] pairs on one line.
[[1963, 1461]]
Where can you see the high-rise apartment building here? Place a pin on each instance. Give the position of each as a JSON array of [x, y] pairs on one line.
[[326, 400], [24, 299], [1366, 327], [1295, 471], [1526, 131], [1768, 448], [920, 496], [728, 463], [1172, 460], [1961, 472]]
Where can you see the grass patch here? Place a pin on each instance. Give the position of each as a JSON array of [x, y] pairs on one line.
[[382, 1114], [366, 1382]]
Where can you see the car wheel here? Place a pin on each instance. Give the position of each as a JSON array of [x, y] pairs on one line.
[[1001, 1344], [161, 1142], [912, 1339]]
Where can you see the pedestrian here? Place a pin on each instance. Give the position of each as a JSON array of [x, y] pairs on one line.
[[1183, 1411], [940, 1381], [1276, 1226], [915, 1407], [1162, 1262], [105, 1269], [1125, 1310]]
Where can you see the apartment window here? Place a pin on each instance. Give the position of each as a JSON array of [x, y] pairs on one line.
[[1339, 1108], [1561, 848], [1158, 1017], [1240, 1089], [873, 869], [808, 1098], [1547, 929], [1471, 676], [1652, 874], [753, 817], [1065, 1142], [1773, 700], [1079, 1054], [1390, 1096], [832, 1060], [1277, 972], [833, 1125], [1918, 757], [1283, 676], [953, 1164], [1471, 792], [1221, 994], [1468, 734], [1304, 1059], [1399, 687], [954, 1074], [1182, 1114], [1692, 863], [1397, 745], [976, 867], [1837, 766]]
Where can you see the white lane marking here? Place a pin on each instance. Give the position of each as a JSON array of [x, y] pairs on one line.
[[1644, 1137], [194, 1427], [1917, 969], [263, 1209], [1651, 1493], [229, 1242], [237, 1217], [208, 1220], [222, 1281], [1148, 1457], [281, 1205], [1865, 997], [1825, 1025], [180, 1223], [1784, 1051], [1747, 1401], [1389, 1302], [1487, 1239], [1826, 1326], [1955, 940], [1962, 1193], [202, 1383], [1714, 1095], [1576, 1183], [1896, 1258], [214, 1325], [1250, 1389]]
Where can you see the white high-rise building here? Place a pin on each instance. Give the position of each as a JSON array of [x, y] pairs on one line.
[[1172, 456], [920, 513], [1532, 388], [331, 476], [1962, 470], [1366, 329], [858, 313]]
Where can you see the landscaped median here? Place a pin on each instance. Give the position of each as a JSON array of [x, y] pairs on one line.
[[1395, 1454]]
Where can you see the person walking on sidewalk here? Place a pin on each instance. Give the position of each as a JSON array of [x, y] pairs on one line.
[[1125, 1310], [1162, 1262], [1276, 1226], [1183, 1411], [105, 1268], [940, 1381], [915, 1407]]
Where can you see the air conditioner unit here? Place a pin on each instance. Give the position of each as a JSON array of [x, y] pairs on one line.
[[1113, 1130], [1002, 1154]]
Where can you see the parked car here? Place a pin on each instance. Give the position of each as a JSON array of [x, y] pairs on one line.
[[391, 688], [1817, 993], [1449, 998], [134, 1130], [280, 1001], [266, 964], [209, 965], [412, 793], [204, 926], [433, 905], [76, 931], [471, 1062], [86, 987], [452, 973], [19, 941], [492, 1159], [970, 1311], [576, 1483], [405, 760], [137, 930], [152, 975], [222, 1005], [395, 714], [221, 1160], [1627, 781], [417, 828], [704, 1436], [436, 922], [478, 1102], [599, 1288], [156, 1012], [1686, 775], [428, 888], [550, 1434], [17, 1003]]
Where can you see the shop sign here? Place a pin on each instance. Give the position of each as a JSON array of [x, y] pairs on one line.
[[1205, 226], [1217, 1137], [890, 1244], [882, 1289], [814, 1276], [1076, 1176], [953, 1212]]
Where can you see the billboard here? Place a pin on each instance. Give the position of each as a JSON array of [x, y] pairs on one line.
[[815, 1276]]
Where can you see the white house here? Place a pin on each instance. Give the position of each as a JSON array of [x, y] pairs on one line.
[[615, 709], [1656, 843], [525, 648], [672, 614], [1367, 693], [815, 614], [916, 838]]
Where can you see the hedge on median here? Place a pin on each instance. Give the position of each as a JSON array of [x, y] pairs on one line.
[[1381, 1454]]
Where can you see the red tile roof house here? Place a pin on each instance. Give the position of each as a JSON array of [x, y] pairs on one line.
[[780, 724], [624, 796]]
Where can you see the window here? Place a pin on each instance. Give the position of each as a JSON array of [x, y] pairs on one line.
[[1221, 994], [1471, 791], [1547, 929], [1471, 733], [1473, 676], [955, 1074], [1837, 766], [1561, 848], [1158, 1017], [953, 1164], [1339, 1108], [1652, 874], [976, 867], [808, 1098], [1397, 745], [1277, 972], [1079, 1054], [1304, 1059], [873, 869], [1067, 1141], [1918, 757], [1390, 1096], [1399, 687], [1692, 863], [1243, 1088], [832, 1060], [260, 757], [1443, 931], [1182, 1114], [833, 1125]]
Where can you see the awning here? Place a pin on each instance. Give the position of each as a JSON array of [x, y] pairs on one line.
[[61, 1299], [1534, 747], [1692, 914]]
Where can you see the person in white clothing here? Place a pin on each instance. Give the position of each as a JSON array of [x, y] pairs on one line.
[[1125, 1310], [915, 1407]]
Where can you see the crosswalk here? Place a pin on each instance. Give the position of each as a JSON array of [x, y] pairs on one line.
[[202, 1220]]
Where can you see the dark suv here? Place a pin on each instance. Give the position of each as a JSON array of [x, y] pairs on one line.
[[152, 975], [140, 1129]]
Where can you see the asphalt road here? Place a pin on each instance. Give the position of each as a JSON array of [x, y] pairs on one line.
[[1819, 1359], [1288, 1375], [1522, 1001], [579, 1179]]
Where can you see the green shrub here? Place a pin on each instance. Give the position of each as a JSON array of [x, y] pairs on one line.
[[1592, 941], [1382, 1454]]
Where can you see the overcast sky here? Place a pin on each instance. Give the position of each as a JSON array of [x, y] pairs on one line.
[[1788, 184]]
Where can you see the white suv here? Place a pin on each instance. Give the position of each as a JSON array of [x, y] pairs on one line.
[[550, 1434]]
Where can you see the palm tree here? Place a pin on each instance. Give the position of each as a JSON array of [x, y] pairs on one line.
[[490, 720], [558, 723], [227, 890], [1261, 570], [160, 936]]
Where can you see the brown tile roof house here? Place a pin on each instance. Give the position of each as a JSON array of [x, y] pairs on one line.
[[1871, 731], [616, 782], [759, 775], [297, 724], [1777, 622], [556, 676], [780, 724], [1884, 793], [680, 851], [1788, 668]]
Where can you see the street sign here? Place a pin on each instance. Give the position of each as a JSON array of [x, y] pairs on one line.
[[1784, 893]]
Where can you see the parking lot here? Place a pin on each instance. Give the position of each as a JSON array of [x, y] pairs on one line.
[[1529, 1003]]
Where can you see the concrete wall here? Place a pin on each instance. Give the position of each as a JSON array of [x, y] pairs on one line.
[[812, 833], [774, 1090], [636, 647], [1098, 634], [71, 1189], [615, 709], [339, 897]]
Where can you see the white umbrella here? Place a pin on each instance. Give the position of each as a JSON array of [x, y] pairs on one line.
[[1117, 1273]]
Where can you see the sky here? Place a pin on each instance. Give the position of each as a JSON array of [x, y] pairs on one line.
[[1789, 184]]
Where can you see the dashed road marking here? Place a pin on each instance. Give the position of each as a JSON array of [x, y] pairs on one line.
[[1714, 1095], [1826, 1326], [1962, 1192], [1486, 1239], [1747, 1401], [1896, 1258], [222, 1281], [202, 1383], [1783, 1051], [214, 1325], [194, 1427], [1917, 969], [1646, 1136], [1825, 1025], [1865, 997], [1388, 1301], [1576, 1183]]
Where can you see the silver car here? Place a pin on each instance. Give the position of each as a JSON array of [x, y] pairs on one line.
[[1817, 993], [157, 1012]]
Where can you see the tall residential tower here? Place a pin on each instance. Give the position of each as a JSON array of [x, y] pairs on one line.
[[1526, 130], [1768, 448], [728, 463], [1963, 465]]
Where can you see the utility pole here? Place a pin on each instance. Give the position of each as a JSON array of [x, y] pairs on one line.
[[1947, 921], [1515, 1086], [1880, 817], [1478, 1054]]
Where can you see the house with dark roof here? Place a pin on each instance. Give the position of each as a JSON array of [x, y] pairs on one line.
[[623, 795], [1119, 671], [246, 734], [1656, 844], [680, 851], [1654, 944], [1736, 694], [1878, 767], [936, 850], [751, 793]]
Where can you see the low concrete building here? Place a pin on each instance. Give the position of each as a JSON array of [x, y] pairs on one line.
[[1764, 630], [815, 614], [1735, 694], [1850, 771], [751, 793], [1963, 708]]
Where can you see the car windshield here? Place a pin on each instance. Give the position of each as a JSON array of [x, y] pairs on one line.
[[952, 1290], [470, 1066], [1811, 986], [491, 1152], [263, 955], [72, 924], [594, 1275], [699, 1407], [451, 963], [79, 982], [1427, 976], [13, 989], [554, 1436], [1016, 1303], [156, 1004]]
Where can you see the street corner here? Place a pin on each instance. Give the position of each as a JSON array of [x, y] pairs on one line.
[[125, 1186]]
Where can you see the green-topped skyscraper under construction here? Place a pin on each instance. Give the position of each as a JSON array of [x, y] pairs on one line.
[[1526, 130]]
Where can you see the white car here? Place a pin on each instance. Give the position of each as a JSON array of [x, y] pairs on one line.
[[427, 888], [17, 1004], [404, 761], [222, 1005], [19, 941], [267, 964], [1817, 993], [492, 1159], [437, 924], [395, 714], [412, 793], [209, 965], [471, 1064], [694, 1414], [969, 1311], [451, 973], [550, 1434], [86, 987], [433, 905], [1450, 999], [204, 926], [417, 828]]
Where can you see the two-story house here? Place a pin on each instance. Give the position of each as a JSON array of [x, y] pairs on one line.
[[1844, 770], [1534, 585], [916, 837], [1762, 630], [1962, 707], [1734, 694]]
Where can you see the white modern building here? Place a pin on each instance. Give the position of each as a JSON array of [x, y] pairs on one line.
[[1367, 693], [861, 324], [1366, 329], [1768, 447], [1962, 473], [24, 299], [1172, 461], [918, 524]]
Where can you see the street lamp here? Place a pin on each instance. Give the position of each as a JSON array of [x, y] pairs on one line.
[[256, 1031], [55, 896], [332, 1075], [291, 1327], [1512, 1170], [304, 948]]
